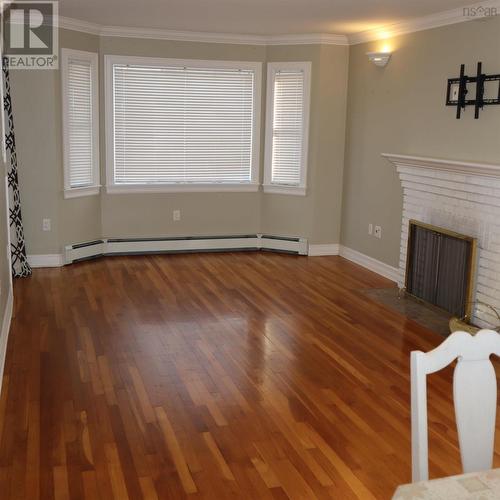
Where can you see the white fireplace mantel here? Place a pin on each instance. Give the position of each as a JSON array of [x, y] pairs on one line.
[[459, 196], [462, 167]]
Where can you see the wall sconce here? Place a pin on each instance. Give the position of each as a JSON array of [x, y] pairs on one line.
[[379, 58]]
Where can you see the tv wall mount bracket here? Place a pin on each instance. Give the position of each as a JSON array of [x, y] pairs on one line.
[[459, 89]]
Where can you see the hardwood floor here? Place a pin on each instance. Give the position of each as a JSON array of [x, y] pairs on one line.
[[212, 376]]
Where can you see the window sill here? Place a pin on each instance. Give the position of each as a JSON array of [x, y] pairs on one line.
[[83, 191], [181, 188], [282, 189]]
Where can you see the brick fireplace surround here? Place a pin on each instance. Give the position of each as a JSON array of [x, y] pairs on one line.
[[459, 196]]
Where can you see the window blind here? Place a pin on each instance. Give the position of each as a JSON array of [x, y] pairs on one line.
[[80, 120], [288, 127], [182, 124]]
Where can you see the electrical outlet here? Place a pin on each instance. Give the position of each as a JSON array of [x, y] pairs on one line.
[[370, 229], [454, 90], [46, 225], [378, 232], [176, 215]]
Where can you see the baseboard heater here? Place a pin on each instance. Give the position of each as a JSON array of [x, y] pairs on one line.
[[144, 246]]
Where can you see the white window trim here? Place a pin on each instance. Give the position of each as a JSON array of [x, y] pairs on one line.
[[183, 188], [269, 186], [111, 187], [81, 191], [93, 58]]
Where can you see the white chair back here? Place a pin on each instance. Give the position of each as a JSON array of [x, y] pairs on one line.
[[474, 395]]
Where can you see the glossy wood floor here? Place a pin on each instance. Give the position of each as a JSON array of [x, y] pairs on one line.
[[212, 376]]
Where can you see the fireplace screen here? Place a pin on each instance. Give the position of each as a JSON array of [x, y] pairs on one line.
[[440, 268]]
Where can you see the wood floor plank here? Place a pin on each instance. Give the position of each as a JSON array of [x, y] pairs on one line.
[[61, 488], [267, 474], [115, 472], [176, 452], [90, 487], [142, 395], [214, 450], [292, 481], [148, 488], [220, 376]]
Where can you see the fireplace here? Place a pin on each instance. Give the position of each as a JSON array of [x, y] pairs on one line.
[[458, 196], [440, 267]]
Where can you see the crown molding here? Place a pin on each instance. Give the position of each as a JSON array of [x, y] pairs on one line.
[[445, 18], [193, 36], [69, 23], [437, 20], [308, 39]]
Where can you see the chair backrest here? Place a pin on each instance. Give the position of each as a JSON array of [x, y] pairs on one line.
[[474, 395]]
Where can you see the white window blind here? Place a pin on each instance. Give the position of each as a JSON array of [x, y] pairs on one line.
[[80, 119], [288, 127], [183, 125], [80, 123], [287, 131]]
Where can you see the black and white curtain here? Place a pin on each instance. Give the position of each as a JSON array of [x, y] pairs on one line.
[[20, 266]]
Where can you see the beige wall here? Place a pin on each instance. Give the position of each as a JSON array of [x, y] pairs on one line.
[[128, 215], [317, 215], [37, 105], [37, 115], [400, 109], [4, 240], [397, 109], [5, 282], [37, 126]]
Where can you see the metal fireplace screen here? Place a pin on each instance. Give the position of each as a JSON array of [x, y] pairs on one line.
[[440, 267]]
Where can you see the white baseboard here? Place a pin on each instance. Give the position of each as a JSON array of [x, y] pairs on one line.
[[385, 270], [84, 251], [48, 260], [4, 333], [324, 249], [282, 244], [123, 246]]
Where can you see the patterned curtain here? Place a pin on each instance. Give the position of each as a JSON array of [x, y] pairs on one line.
[[20, 266]]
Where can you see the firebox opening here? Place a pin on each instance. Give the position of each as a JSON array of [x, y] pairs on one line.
[[440, 268]]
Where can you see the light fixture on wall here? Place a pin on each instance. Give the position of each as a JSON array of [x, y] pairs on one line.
[[379, 58]]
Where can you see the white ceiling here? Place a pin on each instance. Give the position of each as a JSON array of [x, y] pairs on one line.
[[259, 17]]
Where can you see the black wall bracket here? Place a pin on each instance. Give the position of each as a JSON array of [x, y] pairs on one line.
[[458, 90]]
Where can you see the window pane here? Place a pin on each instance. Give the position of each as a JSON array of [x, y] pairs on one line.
[[79, 95], [182, 125], [288, 120]]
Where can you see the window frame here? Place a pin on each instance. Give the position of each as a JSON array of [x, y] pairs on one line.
[[111, 187], [93, 58], [273, 187]]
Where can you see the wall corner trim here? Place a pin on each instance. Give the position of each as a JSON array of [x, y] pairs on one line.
[[385, 270], [47, 260], [4, 333], [324, 249]]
